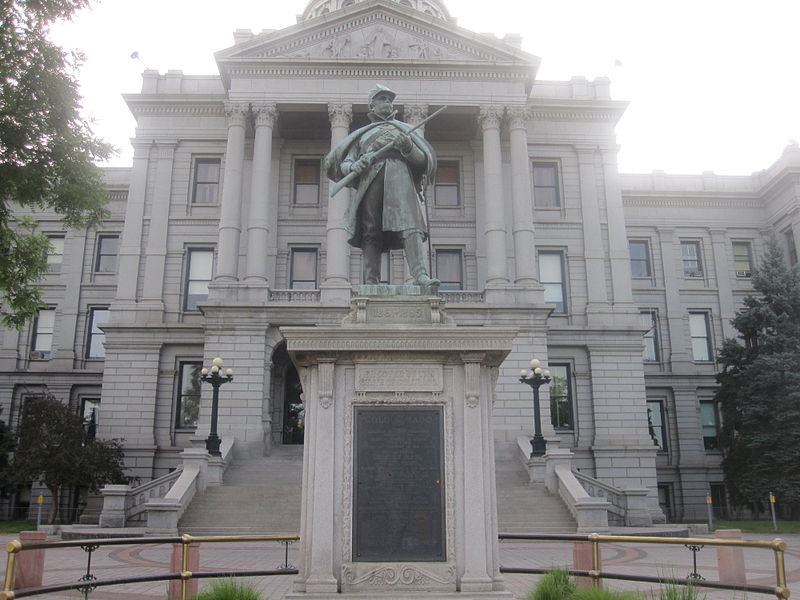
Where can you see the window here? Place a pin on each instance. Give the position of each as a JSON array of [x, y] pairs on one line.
[[43, 325], [742, 259], [107, 250], [655, 423], [385, 275], [449, 269], [690, 255], [701, 336], [551, 276], [95, 342], [652, 351], [303, 274], [306, 182], [200, 262], [545, 185], [709, 421], [205, 188], [640, 258], [560, 396], [719, 500], [188, 404], [446, 190], [55, 254], [90, 412], [791, 247]]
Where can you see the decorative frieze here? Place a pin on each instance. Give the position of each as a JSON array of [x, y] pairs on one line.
[[409, 377]]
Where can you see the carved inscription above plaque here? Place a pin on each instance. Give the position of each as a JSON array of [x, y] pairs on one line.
[[399, 377], [398, 510]]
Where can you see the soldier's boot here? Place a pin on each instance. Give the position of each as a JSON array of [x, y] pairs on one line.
[[371, 259], [415, 256]]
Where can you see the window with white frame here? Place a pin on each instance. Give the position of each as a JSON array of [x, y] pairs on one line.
[[187, 406], [43, 327], [551, 276], [95, 339], [561, 396], [652, 351], [640, 258], [205, 187], [306, 181], [303, 269], [690, 256], [700, 333], [742, 259], [546, 192], [655, 423], [55, 253], [106, 256], [709, 421], [199, 269], [450, 268], [446, 189]]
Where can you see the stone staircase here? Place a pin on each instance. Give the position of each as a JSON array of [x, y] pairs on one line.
[[259, 496], [262, 496], [523, 507]]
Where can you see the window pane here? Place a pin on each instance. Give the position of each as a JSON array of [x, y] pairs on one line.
[[448, 269], [43, 331], [189, 395], [741, 259], [560, 397], [692, 266], [655, 423], [107, 250], [198, 275], [446, 192], [55, 255], [651, 349], [545, 185], [206, 181], [710, 425], [552, 278], [306, 182], [304, 269], [95, 348], [640, 258], [698, 329]]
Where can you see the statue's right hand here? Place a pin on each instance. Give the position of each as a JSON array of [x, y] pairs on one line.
[[361, 165]]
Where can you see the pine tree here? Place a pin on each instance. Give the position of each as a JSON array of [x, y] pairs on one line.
[[759, 393]]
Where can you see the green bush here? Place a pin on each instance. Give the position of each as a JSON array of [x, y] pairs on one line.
[[558, 585], [229, 589], [555, 585]]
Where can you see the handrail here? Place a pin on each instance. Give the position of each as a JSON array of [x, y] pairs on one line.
[[138, 497]]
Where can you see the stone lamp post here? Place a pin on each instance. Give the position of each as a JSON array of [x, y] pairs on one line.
[[536, 378], [216, 380]]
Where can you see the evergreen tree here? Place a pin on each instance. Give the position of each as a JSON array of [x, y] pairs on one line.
[[759, 393], [47, 151], [53, 447]]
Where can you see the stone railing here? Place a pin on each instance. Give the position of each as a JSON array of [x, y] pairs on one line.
[[160, 503], [308, 296], [463, 296], [628, 506]]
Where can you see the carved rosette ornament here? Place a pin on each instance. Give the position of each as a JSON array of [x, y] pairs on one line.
[[340, 115], [490, 116], [236, 112], [517, 116], [265, 114]]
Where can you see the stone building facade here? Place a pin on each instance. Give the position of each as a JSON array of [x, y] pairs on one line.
[[222, 232]]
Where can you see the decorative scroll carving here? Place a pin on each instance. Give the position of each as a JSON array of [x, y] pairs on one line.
[[401, 575], [325, 383], [490, 116], [340, 115], [517, 116], [472, 385], [265, 114]]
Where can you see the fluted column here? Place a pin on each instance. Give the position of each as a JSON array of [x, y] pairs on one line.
[[621, 289], [156, 254], [597, 290], [524, 246], [230, 220], [497, 272], [260, 194], [335, 288]]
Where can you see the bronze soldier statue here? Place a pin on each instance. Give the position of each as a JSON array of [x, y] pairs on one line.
[[385, 212]]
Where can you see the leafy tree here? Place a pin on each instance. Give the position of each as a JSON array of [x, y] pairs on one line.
[[54, 448], [47, 151], [759, 393]]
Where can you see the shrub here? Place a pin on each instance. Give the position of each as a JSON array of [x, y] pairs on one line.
[[554, 585], [229, 589]]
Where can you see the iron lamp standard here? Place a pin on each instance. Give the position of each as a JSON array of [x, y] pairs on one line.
[[216, 380], [536, 378]]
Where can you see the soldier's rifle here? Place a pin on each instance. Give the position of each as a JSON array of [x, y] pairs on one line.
[[373, 156]]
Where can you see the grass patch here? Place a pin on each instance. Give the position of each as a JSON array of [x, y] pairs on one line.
[[759, 526], [16, 526], [558, 585], [229, 589]]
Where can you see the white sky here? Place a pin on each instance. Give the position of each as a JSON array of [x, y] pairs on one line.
[[713, 85]]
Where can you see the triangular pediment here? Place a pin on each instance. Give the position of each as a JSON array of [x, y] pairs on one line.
[[378, 30]]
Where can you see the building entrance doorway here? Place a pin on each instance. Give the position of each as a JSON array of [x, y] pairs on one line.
[[288, 413]]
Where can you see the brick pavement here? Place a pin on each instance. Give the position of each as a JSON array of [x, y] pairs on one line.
[[137, 559]]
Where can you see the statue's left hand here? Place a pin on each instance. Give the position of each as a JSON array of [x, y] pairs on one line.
[[403, 143]]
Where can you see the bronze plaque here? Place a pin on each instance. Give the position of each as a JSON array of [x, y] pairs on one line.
[[398, 508]]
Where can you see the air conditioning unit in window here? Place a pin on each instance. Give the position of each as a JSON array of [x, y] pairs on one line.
[[695, 274], [743, 273], [36, 355]]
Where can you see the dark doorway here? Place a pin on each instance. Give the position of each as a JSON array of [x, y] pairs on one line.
[[293, 408]]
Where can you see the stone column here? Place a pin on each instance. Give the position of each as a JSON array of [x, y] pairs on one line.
[[335, 289], [497, 272], [621, 290], [594, 255], [156, 254], [524, 245], [130, 249], [230, 220], [261, 201]]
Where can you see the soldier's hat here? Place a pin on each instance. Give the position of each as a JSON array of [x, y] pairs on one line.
[[377, 90]]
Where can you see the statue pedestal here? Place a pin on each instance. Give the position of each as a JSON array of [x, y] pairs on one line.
[[398, 472]]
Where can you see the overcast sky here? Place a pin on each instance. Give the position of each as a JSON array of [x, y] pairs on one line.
[[713, 85]]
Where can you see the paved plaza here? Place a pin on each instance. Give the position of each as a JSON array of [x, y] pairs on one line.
[[140, 559]]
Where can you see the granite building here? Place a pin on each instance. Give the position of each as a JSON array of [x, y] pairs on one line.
[[222, 232]]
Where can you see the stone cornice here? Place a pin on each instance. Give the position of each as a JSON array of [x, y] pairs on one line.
[[183, 105], [697, 200]]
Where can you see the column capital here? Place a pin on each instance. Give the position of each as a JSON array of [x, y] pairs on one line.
[[265, 113], [518, 115], [141, 148], [165, 150], [340, 115], [236, 112], [415, 113], [490, 116]]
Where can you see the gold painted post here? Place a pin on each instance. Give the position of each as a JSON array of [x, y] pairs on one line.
[[781, 591], [12, 548], [595, 572], [185, 573]]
